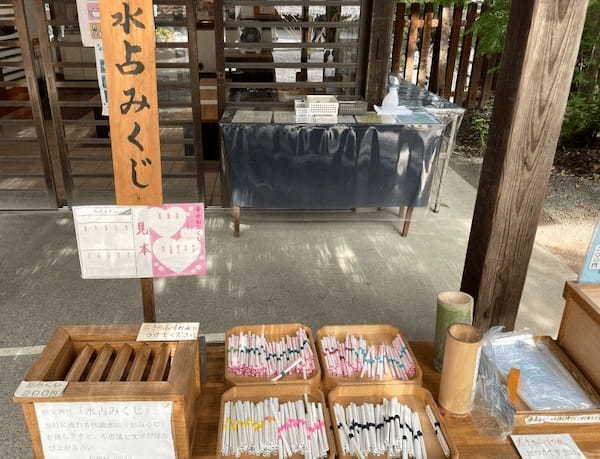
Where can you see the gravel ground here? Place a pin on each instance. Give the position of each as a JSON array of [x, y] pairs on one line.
[[571, 210]]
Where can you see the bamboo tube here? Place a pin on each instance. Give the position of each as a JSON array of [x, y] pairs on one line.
[[459, 372], [452, 308]]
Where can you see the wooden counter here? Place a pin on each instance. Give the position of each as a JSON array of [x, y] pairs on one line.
[[470, 443]]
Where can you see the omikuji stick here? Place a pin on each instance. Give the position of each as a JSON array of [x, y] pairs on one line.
[[268, 428], [353, 357], [438, 432], [389, 428], [254, 356]]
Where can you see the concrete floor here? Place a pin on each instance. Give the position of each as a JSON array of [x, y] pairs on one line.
[[340, 271]]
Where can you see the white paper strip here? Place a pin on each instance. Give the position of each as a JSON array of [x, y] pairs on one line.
[[181, 331], [575, 419], [107, 430]]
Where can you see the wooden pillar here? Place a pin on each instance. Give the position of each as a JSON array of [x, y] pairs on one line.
[[533, 86], [382, 22], [130, 55]]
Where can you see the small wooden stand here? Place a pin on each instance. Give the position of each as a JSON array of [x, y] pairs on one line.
[[130, 57]]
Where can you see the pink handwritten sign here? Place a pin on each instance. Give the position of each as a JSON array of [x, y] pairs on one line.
[[140, 241]]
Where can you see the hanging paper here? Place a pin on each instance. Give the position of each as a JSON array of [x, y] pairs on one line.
[[88, 12], [140, 241], [101, 69]]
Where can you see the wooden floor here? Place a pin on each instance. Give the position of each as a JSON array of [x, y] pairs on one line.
[[470, 443]]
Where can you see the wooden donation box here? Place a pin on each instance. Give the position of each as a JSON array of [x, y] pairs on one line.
[[120, 395], [577, 347]]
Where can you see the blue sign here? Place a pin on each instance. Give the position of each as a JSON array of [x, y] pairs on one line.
[[590, 273]]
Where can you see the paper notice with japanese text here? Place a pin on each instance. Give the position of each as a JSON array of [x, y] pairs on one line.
[[545, 446], [181, 331], [41, 389], [88, 12], [107, 430], [140, 241]]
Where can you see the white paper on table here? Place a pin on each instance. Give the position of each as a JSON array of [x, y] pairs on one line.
[[542, 446], [140, 241], [110, 430], [252, 116], [88, 12], [284, 117], [173, 331]]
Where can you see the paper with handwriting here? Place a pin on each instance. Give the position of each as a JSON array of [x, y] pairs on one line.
[[542, 446], [107, 430], [140, 241]]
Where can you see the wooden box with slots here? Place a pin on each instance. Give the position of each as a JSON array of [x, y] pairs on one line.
[[577, 348], [106, 363]]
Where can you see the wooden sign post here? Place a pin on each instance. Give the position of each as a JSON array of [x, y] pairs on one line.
[[128, 39]]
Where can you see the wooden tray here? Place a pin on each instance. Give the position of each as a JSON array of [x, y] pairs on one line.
[[285, 393], [273, 332], [409, 394], [374, 334], [106, 363], [577, 348]]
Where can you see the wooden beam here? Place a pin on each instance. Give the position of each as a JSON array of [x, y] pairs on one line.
[[533, 86], [382, 22]]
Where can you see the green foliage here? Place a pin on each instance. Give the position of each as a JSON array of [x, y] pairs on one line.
[[582, 117], [480, 122], [490, 27]]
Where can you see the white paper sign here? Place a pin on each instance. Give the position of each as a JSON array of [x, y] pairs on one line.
[[107, 430], [140, 241], [546, 446], [88, 12], [181, 331], [41, 389]]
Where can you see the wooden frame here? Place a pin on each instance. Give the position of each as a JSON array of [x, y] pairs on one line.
[[354, 86], [83, 355], [72, 100], [29, 113]]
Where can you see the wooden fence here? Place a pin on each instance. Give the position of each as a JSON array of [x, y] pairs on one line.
[[435, 48]]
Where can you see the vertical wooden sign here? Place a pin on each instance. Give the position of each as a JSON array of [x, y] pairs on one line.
[[128, 39]]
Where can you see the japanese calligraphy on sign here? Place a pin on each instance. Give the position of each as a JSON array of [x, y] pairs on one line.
[[111, 430], [129, 54]]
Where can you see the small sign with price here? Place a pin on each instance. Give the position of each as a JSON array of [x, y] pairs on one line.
[[181, 331]]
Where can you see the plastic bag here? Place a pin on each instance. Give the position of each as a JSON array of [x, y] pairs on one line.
[[493, 414], [545, 383]]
